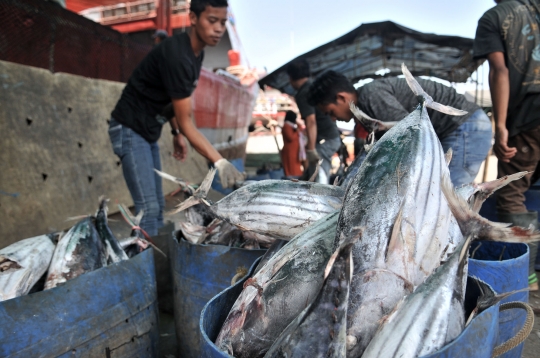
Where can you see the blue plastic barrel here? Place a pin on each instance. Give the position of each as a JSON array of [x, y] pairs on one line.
[[110, 312], [214, 314], [477, 340], [199, 272], [505, 267]]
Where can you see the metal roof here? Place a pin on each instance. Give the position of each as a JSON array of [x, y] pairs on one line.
[[385, 45]]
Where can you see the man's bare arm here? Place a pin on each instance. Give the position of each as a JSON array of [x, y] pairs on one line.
[[499, 85], [311, 130], [184, 120]]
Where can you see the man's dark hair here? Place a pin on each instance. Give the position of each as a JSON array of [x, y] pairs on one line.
[[198, 6], [325, 88], [298, 69], [290, 116]]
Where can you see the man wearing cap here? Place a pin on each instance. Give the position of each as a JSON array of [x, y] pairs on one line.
[[169, 73], [159, 36]]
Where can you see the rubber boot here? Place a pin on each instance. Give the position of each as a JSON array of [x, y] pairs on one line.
[[525, 220]]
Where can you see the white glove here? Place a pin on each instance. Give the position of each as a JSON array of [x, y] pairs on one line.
[[228, 174]]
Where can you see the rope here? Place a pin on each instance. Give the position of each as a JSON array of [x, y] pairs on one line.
[[522, 334]]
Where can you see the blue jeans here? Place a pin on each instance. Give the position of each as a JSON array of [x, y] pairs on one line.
[[139, 158], [326, 151], [470, 143]]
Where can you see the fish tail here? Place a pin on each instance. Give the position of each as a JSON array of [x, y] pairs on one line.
[[199, 196], [448, 156], [345, 249], [488, 188], [103, 205], [428, 100], [471, 223]]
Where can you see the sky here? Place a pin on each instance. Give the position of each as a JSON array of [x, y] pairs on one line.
[[273, 32]]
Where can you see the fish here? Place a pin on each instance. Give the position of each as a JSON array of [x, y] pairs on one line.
[[278, 292], [22, 264], [192, 232], [199, 214], [272, 250], [351, 170], [320, 330], [476, 194], [396, 196], [471, 223], [139, 239], [115, 253], [430, 317], [277, 208], [79, 251]]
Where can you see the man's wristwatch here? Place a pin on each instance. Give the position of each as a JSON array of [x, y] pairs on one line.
[[175, 132]]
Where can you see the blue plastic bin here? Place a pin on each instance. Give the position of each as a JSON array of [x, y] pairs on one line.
[[110, 312], [199, 272]]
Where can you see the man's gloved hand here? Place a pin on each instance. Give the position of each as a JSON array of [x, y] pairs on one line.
[[228, 174], [312, 156]]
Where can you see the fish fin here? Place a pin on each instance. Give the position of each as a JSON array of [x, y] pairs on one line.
[[394, 240], [314, 176], [204, 188], [471, 223], [336, 181], [358, 113], [428, 100], [448, 156], [344, 248], [199, 196], [184, 186], [485, 190], [369, 123], [128, 216], [138, 218], [80, 217]]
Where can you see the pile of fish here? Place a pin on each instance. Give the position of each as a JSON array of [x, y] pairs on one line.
[[379, 272], [257, 214], [43, 263]]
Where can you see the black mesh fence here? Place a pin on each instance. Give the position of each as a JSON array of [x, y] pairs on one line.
[[42, 34]]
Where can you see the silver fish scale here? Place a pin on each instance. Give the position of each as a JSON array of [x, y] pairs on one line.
[[80, 250], [33, 255], [279, 292], [428, 318], [279, 208], [401, 173]]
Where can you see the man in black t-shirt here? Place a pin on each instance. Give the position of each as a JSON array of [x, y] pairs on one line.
[[509, 37], [169, 73], [323, 135], [391, 100]]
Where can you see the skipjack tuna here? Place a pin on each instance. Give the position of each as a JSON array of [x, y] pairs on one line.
[[278, 292], [22, 264], [276, 208], [79, 251]]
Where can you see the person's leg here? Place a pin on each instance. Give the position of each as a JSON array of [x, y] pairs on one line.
[[326, 150], [511, 198], [138, 168], [470, 144], [159, 183]]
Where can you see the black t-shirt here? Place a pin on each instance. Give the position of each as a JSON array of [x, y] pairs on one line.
[[326, 127], [512, 27], [391, 99], [170, 70]]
